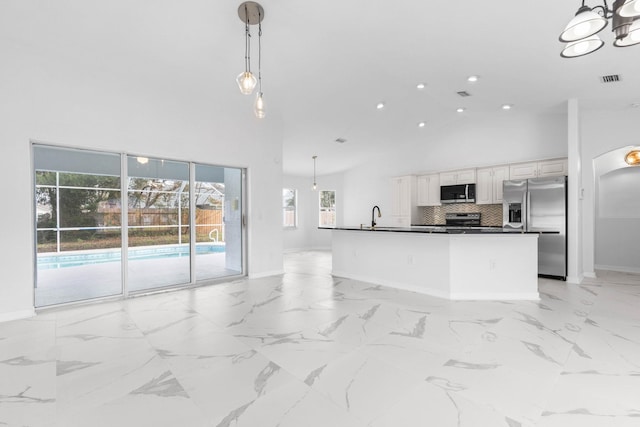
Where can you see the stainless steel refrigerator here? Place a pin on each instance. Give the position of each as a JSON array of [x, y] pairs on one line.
[[539, 205]]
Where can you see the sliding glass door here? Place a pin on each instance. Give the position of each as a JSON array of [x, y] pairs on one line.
[[219, 242], [78, 225], [102, 231], [158, 223]]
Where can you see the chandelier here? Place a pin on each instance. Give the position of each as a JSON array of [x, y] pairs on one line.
[[251, 13], [580, 34]]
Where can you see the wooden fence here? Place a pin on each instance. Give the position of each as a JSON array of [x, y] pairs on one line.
[[165, 221]]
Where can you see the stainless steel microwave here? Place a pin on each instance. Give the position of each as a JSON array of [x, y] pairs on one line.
[[462, 193]]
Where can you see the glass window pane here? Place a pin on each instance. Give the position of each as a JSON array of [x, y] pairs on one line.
[[158, 228], [78, 233], [289, 208], [219, 243], [327, 208]]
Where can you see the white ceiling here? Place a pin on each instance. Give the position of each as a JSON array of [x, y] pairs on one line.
[[326, 64]]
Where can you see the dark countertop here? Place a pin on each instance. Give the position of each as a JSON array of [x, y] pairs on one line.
[[425, 229]]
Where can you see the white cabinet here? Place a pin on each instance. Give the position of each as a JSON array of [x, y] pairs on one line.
[[489, 184], [556, 167], [429, 190], [463, 176], [404, 210], [543, 168]]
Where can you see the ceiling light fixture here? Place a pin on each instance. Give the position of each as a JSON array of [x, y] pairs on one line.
[[472, 79], [507, 107], [422, 124], [251, 13], [315, 186], [420, 86], [633, 158], [460, 110], [580, 34], [380, 105]]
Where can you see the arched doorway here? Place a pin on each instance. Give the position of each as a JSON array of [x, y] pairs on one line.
[[617, 212]]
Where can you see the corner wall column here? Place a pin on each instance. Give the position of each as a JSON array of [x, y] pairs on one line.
[[574, 195]]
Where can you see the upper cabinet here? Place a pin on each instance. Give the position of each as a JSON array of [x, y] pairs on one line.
[[404, 209], [429, 190], [463, 176], [543, 168], [489, 184]]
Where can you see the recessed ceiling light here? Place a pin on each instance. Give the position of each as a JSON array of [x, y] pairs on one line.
[[507, 107], [460, 110], [380, 105], [420, 86], [422, 124], [472, 79]]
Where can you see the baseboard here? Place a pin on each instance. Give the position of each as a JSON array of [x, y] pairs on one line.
[[17, 315], [294, 250], [619, 268], [265, 274], [576, 280], [533, 296], [590, 274]]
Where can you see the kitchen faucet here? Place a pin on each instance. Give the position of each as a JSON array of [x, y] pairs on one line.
[[373, 215]]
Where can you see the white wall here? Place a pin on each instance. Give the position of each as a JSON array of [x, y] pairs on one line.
[[307, 235], [471, 141], [65, 101], [602, 132]]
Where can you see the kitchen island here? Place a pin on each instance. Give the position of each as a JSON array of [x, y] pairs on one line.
[[453, 264]]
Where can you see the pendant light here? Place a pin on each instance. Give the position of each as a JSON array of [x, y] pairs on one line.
[[250, 13], [258, 106], [585, 24], [580, 34], [315, 185], [630, 9]]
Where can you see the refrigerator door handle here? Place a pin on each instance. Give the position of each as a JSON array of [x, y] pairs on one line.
[[528, 211]]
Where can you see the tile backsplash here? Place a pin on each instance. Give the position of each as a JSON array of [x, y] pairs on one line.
[[491, 215]]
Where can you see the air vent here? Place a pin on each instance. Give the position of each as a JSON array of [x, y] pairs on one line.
[[463, 93], [610, 79], [341, 140]]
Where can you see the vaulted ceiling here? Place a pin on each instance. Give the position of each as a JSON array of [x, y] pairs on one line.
[[326, 64]]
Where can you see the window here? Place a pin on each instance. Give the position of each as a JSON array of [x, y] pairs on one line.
[[289, 208], [327, 208]]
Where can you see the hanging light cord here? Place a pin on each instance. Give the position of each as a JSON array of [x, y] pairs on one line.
[[247, 41], [259, 52]]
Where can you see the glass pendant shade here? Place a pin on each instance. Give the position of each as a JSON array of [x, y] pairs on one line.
[[630, 9], [586, 23], [258, 107], [632, 37], [582, 47], [246, 82]]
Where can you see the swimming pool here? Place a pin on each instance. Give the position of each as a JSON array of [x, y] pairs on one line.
[[76, 259]]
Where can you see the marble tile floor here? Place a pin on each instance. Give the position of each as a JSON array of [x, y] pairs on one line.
[[308, 349]]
